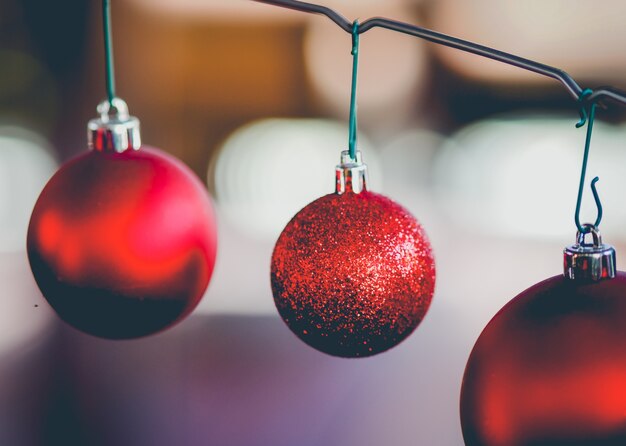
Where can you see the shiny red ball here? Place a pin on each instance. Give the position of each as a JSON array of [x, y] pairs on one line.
[[550, 369], [353, 274], [123, 245]]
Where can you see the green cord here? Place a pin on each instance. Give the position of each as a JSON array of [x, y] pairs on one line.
[[355, 70], [108, 51], [587, 117]]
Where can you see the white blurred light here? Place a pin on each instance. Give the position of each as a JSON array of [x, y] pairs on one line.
[[268, 170], [519, 177], [407, 160], [26, 164], [392, 68]]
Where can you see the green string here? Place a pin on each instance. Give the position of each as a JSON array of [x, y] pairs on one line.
[[353, 107], [108, 51], [587, 117]]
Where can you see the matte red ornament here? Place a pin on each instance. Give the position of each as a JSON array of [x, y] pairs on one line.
[[353, 273], [123, 245], [550, 367]]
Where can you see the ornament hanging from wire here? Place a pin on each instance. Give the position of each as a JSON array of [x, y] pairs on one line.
[[353, 272], [122, 240], [549, 367]]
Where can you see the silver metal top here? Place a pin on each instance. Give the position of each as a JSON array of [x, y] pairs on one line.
[[589, 261], [350, 174], [115, 130]]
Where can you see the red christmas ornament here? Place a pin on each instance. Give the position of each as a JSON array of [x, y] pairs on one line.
[[122, 242], [550, 368], [353, 272]]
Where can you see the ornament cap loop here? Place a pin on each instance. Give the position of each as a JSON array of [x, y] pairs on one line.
[[115, 130], [589, 261], [350, 174]]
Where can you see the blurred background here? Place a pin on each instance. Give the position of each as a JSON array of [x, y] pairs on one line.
[[484, 155]]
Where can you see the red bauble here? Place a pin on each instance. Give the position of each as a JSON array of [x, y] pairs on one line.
[[353, 274], [550, 368], [123, 245]]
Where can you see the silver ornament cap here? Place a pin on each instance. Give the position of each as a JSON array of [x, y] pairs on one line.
[[115, 130], [350, 174], [589, 261]]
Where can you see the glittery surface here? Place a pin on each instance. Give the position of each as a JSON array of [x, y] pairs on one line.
[[123, 245], [550, 368], [353, 274]]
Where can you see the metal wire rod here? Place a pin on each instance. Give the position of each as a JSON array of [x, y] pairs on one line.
[[464, 45]]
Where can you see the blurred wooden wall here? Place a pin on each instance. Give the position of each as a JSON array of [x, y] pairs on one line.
[[193, 83]]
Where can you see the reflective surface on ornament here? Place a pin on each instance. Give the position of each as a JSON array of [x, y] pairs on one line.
[[123, 244], [550, 369], [353, 274]]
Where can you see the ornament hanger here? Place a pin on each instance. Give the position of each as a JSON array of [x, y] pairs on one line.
[[470, 47], [355, 71], [115, 130], [587, 117], [108, 51]]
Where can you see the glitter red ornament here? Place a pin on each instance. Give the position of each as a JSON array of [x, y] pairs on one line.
[[122, 240], [550, 368], [353, 272]]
